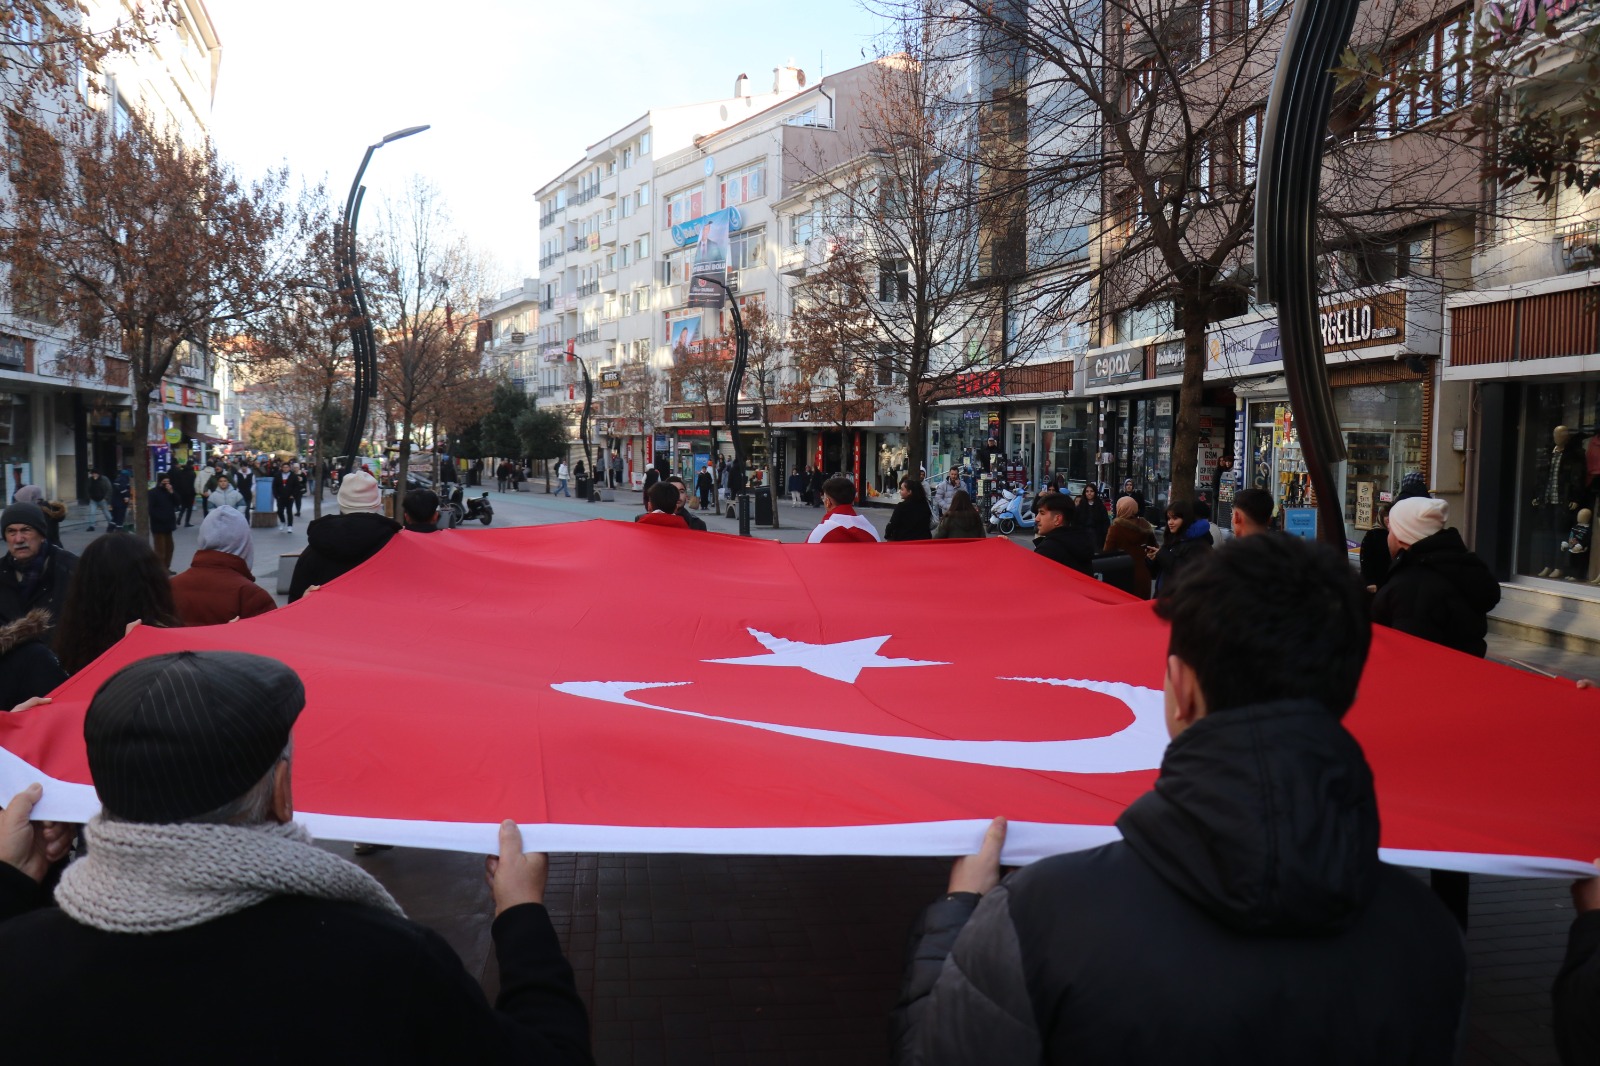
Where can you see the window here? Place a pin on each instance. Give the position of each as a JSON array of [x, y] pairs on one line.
[[627, 207], [677, 265], [611, 262], [803, 227], [611, 167], [641, 196], [641, 248], [753, 303], [1432, 76], [894, 280], [626, 254], [743, 185], [644, 144], [627, 157], [747, 249], [1249, 145], [685, 205]]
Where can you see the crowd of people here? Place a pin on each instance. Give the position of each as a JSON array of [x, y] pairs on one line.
[[1226, 925]]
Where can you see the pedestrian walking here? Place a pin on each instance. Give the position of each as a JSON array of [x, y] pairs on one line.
[[298, 482], [705, 486], [99, 499], [1249, 872], [219, 585], [961, 520], [818, 480], [1092, 517], [245, 482], [1187, 536], [1131, 534], [183, 485], [34, 574], [162, 503], [1060, 538], [118, 581], [562, 475], [337, 544], [796, 486], [287, 487], [840, 523], [912, 518], [946, 492], [225, 495], [121, 497], [196, 879]]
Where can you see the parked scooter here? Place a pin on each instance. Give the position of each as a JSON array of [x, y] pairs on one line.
[[1012, 511], [452, 513]]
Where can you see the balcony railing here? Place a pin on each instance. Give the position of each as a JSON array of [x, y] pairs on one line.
[[548, 218], [577, 244], [588, 290], [588, 336], [546, 260], [585, 196], [547, 303]]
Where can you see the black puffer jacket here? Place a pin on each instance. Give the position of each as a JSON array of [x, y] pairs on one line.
[[336, 544], [1072, 548], [49, 592], [1439, 591], [912, 519], [1245, 918]]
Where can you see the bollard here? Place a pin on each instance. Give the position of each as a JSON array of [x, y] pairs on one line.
[[744, 514]]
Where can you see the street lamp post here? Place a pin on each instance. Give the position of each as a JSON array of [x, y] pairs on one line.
[[362, 341], [583, 426], [730, 407]]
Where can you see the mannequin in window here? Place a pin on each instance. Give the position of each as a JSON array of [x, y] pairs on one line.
[[1560, 478]]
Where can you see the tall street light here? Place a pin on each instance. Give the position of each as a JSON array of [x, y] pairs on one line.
[[730, 404], [362, 342]]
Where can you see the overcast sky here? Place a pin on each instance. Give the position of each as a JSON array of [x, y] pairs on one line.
[[514, 90]]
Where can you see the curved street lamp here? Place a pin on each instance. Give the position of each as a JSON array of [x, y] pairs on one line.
[[730, 404], [362, 341]]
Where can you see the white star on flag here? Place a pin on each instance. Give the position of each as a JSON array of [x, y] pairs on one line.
[[843, 661]]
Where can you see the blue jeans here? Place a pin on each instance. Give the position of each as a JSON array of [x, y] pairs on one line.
[[561, 488], [98, 507]]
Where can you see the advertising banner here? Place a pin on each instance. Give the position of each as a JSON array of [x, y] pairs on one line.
[[710, 262], [682, 335]]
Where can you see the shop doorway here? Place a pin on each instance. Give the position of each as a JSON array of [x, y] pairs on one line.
[[1022, 459]]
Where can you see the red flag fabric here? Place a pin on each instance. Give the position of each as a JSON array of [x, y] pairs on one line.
[[614, 687]]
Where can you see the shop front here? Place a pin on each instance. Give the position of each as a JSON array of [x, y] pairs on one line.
[[1530, 357]]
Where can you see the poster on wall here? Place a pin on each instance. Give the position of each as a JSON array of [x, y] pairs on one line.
[[683, 334], [710, 271], [1365, 495], [1300, 522]]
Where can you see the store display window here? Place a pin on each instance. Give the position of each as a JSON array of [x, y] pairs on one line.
[[965, 437], [1559, 479], [1066, 445], [1382, 427]]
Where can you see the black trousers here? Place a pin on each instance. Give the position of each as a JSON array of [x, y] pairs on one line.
[[286, 512]]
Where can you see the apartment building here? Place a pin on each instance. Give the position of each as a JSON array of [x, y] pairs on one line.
[[56, 420], [599, 271], [511, 346]]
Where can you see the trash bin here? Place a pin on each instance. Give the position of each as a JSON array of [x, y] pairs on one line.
[[583, 488], [763, 507]]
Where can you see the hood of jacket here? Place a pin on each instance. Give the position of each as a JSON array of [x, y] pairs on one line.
[[350, 538], [1198, 529], [1265, 817], [32, 626], [1446, 554], [212, 559]]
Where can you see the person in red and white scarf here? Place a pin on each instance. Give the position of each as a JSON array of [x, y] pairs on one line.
[[840, 524]]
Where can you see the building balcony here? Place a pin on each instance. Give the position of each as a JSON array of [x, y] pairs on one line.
[[608, 187], [578, 243], [547, 304], [588, 290], [608, 283], [588, 336], [549, 218], [584, 196], [546, 260]]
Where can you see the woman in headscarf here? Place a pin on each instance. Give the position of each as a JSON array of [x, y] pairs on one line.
[[219, 586], [1130, 533]]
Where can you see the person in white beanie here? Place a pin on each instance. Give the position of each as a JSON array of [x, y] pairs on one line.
[[1436, 589], [339, 543]]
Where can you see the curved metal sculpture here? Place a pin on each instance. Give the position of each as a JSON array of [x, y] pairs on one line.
[[1287, 184], [583, 424]]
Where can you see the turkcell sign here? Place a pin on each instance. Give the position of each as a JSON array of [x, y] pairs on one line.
[[1114, 368]]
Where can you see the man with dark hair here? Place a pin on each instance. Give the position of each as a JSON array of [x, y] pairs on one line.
[[692, 521], [420, 510], [840, 524], [662, 501], [1252, 512], [1245, 916], [1060, 540], [200, 903]]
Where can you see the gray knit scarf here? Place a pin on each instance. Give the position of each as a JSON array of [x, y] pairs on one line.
[[139, 878]]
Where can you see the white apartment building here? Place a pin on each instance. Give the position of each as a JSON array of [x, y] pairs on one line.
[[750, 168], [56, 421], [512, 344], [600, 279]]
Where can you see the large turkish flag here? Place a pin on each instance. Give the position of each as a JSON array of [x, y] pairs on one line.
[[621, 688]]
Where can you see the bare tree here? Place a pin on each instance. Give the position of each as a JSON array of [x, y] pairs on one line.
[[146, 245], [430, 368], [46, 46], [1137, 158]]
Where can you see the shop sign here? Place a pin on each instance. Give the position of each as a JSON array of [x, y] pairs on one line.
[[694, 433], [174, 435], [683, 416], [1364, 323], [661, 442], [13, 352], [1115, 368], [611, 379], [979, 383], [1300, 522], [1365, 497], [747, 412], [1169, 358], [1049, 417]]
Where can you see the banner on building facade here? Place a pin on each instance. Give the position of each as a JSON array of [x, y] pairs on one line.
[[710, 271]]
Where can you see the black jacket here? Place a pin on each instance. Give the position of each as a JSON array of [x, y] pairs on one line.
[[363, 986], [1244, 918], [336, 544], [1071, 547], [911, 519], [1177, 552], [288, 489], [50, 593], [163, 507], [27, 667], [1439, 591], [1577, 994], [1092, 516], [694, 521], [1375, 558], [183, 483], [99, 489]]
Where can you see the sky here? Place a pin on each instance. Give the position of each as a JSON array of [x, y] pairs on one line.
[[514, 89]]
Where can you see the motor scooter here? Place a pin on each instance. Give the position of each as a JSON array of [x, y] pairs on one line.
[[1012, 511], [453, 512]]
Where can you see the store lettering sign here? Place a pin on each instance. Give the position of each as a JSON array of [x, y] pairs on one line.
[[981, 383], [747, 412], [611, 379], [683, 416], [1169, 358], [1049, 417], [1364, 323], [1114, 368]]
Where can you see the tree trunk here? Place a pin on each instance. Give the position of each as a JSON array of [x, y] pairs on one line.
[[1186, 420], [141, 457], [402, 467], [772, 469], [916, 434]]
